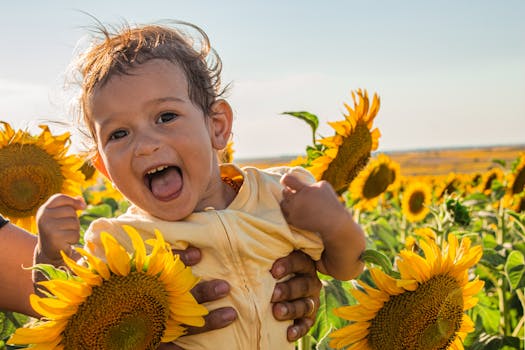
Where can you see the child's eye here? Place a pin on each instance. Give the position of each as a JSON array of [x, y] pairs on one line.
[[166, 117], [118, 134]]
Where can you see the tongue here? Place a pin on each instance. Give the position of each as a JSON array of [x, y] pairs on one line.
[[165, 185]]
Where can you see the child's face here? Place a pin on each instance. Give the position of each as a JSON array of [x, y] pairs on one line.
[[157, 146]]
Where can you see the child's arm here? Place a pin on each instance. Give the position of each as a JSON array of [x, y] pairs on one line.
[[317, 208], [58, 229]]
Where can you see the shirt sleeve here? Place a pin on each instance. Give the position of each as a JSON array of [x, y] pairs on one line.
[[306, 241], [300, 172]]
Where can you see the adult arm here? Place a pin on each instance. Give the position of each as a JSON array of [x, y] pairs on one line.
[[16, 254]]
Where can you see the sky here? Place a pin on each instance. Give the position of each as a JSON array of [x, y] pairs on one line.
[[449, 73]]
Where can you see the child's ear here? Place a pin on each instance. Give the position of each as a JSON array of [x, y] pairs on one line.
[[221, 119], [98, 163]]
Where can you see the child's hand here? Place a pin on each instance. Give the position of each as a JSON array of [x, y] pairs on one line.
[[58, 227], [312, 207]]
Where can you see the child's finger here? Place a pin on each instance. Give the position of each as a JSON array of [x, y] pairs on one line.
[[59, 200], [293, 182]]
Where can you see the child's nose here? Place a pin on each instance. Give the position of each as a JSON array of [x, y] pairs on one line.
[[146, 145]]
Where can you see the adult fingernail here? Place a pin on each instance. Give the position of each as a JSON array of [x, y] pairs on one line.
[[229, 315], [221, 288], [193, 254], [294, 332], [279, 271], [277, 292], [282, 310]]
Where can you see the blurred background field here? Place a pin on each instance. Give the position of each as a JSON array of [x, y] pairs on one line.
[[465, 160]]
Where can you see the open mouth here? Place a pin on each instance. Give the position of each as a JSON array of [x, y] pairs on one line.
[[164, 182]]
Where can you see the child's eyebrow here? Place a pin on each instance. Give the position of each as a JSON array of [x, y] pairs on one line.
[[166, 99], [151, 102]]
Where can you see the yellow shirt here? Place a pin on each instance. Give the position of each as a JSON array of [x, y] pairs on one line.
[[239, 244]]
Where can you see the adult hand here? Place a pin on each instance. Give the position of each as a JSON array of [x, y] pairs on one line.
[[208, 291], [204, 292], [296, 299]]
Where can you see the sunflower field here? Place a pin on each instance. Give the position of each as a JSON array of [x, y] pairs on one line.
[[445, 258]]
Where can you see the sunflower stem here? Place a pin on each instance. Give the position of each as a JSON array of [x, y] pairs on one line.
[[304, 343], [501, 218], [521, 297], [501, 304], [403, 229]]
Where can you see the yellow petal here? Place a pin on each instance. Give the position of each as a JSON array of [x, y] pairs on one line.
[[354, 313], [349, 334], [73, 292], [82, 272], [173, 331], [116, 255], [44, 333], [95, 263], [138, 245], [52, 308], [385, 282]]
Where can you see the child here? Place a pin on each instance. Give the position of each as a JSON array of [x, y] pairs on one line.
[[153, 107]]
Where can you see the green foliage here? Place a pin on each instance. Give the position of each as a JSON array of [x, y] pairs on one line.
[[9, 321], [515, 270], [498, 315], [458, 211], [311, 119]]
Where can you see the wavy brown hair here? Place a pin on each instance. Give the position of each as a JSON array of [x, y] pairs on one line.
[[115, 51]]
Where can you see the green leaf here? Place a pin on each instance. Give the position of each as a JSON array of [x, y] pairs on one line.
[[52, 272], [496, 342], [515, 269], [492, 258], [501, 162], [333, 294], [487, 312], [489, 242], [9, 321], [371, 256], [309, 118], [101, 210]]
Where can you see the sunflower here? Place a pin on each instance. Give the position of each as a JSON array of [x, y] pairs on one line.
[[485, 184], [348, 151], [104, 190], [423, 232], [380, 175], [91, 174], [416, 201], [424, 309], [33, 168], [516, 178], [134, 301], [226, 154], [515, 202], [450, 184]]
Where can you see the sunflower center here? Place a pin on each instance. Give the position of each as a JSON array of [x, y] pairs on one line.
[[416, 201], [125, 312], [87, 170], [450, 187], [30, 176], [520, 204], [519, 183], [352, 156], [426, 318], [378, 181], [488, 183]]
